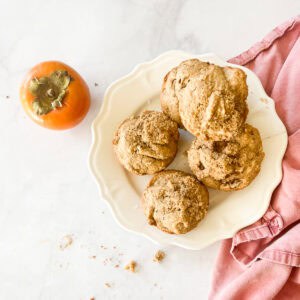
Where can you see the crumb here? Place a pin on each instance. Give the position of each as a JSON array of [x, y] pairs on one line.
[[155, 284], [103, 247], [96, 84], [264, 100], [102, 212], [159, 256], [114, 247], [185, 153], [66, 242], [116, 266], [7, 97], [108, 285], [93, 257], [131, 266], [93, 298]]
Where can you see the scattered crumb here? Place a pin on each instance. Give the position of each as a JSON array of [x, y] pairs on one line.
[[131, 266], [111, 261], [264, 100], [66, 242], [108, 285], [159, 256], [96, 84], [7, 97], [93, 257], [103, 247], [185, 153], [114, 247]]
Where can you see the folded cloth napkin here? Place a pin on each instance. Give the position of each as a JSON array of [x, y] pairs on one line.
[[262, 261]]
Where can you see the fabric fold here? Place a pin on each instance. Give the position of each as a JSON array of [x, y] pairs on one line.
[[262, 260]]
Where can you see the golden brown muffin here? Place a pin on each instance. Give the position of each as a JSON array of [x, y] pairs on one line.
[[147, 143], [227, 165], [213, 103], [168, 98], [206, 99], [173, 84], [175, 201]]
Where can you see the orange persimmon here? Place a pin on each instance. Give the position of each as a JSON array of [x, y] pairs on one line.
[[54, 95]]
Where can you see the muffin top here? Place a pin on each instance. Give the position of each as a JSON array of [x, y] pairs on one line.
[[168, 97], [147, 143], [175, 201], [173, 84], [206, 99], [227, 165]]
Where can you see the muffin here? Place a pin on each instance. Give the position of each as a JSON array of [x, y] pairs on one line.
[[168, 98], [227, 165], [175, 201], [147, 143], [207, 100], [173, 84]]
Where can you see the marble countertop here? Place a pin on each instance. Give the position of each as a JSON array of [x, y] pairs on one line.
[[46, 190]]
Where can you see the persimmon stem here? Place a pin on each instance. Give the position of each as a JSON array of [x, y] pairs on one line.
[[49, 91]]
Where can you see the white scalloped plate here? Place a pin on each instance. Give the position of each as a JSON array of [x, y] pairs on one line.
[[229, 211]]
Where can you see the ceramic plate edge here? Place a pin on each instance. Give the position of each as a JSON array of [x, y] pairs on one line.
[[107, 197]]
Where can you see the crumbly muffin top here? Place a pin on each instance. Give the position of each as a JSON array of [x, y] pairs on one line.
[[227, 165], [147, 143], [168, 98], [175, 201], [206, 99], [213, 102], [173, 84]]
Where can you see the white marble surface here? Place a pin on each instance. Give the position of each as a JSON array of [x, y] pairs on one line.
[[46, 191]]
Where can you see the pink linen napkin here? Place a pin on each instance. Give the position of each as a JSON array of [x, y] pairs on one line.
[[262, 261]]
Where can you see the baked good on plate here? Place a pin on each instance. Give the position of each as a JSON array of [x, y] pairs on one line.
[[147, 143], [172, 86], [227, 165], [175, 201], [206, 99]]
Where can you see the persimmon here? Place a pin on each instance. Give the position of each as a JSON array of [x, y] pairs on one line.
[[54, 95]]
